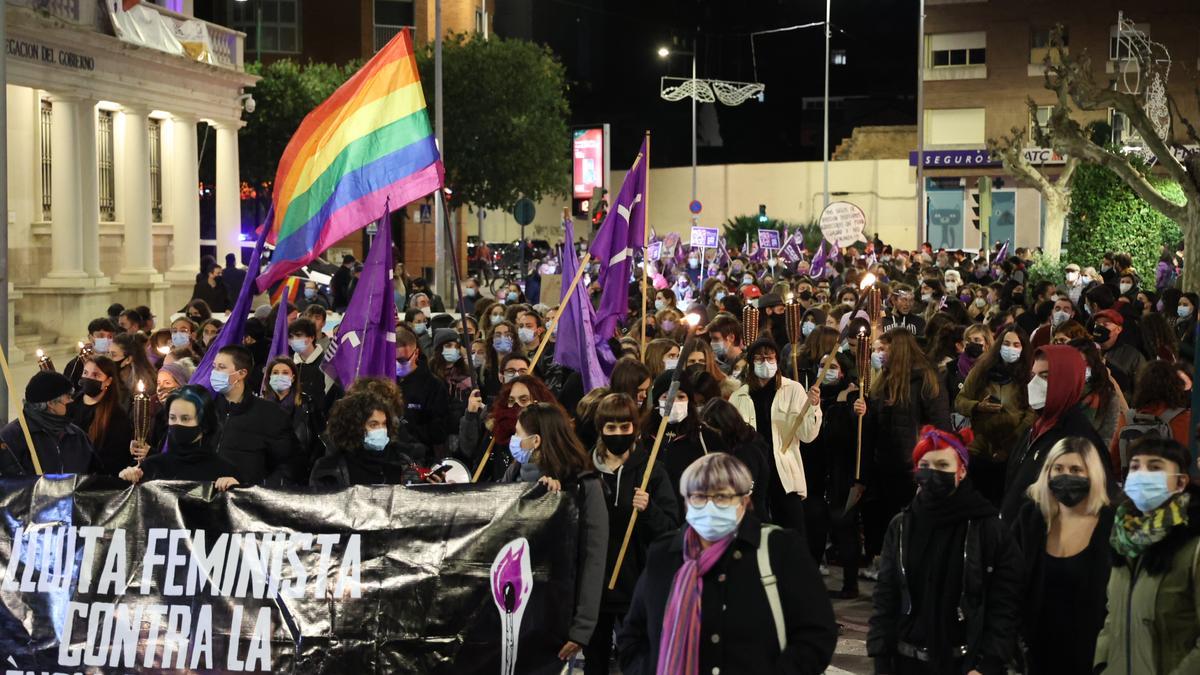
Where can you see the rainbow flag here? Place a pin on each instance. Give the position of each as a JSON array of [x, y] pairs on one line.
[[292, 286], [369, 141]]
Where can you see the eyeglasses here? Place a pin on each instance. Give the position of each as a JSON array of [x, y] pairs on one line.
[[700, 500], [510, 372], [764, 359]]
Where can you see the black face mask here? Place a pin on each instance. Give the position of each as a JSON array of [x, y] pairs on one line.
[[617, 444], [180, 437], [1070, 490], [1018, 298], [90, 386], [974, 350], [1101, 334], [935, 485]]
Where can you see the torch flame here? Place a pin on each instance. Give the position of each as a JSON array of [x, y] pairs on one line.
[[81, 345], [40, 353], [692, 320], [164, 350], [867, 281], [141, 387]]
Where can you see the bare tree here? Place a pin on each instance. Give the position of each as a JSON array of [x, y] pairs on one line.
[[1150, 110], [1057, 192]]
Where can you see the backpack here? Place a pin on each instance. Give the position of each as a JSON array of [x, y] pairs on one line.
[[769, 585], [1145, 426]]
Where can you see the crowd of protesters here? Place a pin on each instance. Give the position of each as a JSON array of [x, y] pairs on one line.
[[1006, 457]]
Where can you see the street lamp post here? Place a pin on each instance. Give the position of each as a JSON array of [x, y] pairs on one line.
[[664, 52], [825, 107]]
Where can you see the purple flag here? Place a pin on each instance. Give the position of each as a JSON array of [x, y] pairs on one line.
[[622, 233], [234, 329], [279, 340], [790, 254], [818, 260], [1000, 255], [366, 338], [575, 345]]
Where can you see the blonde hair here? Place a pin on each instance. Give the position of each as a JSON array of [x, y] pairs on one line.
[[979, 329], [713, 472], [1097, 498]]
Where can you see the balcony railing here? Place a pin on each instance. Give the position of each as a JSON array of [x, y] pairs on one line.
[[384, 34], [206, 42]]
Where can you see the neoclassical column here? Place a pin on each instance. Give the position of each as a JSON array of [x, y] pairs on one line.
[[89, 187], [66, 253], [138, 245], [229, 189], [182, 198]]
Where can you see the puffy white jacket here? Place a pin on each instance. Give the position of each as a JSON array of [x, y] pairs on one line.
[[789, 399]]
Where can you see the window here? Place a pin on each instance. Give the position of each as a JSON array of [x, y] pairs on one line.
[[104, 159], [280, 24], [156, 192], [1042, 117], [1122, 132], [838, 57], [391, 16], [1119, 47], [1041, 46], [47, 127], [955, 127], [949, 50]]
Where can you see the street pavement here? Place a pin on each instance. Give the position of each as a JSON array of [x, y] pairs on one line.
[[851, 653]]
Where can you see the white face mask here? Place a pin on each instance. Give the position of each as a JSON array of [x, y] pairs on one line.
[[1125, 288], [679, 411], [670, 363], [765, 370], [1037, 390], [1059, 318], [1072, 277]]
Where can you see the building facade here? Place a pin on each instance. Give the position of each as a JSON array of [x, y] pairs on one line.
[[983, 60], [104, 112]]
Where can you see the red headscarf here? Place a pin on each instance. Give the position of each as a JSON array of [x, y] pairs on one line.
[[1065, 385]]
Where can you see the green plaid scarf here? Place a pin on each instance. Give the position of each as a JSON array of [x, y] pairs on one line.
[[1135, 532]]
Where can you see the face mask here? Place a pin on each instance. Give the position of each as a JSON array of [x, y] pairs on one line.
[[671, 364], [617, 444], [935, 485], [376, 439], [832, 376], [660, 305], [420, 328], [974, 350], [519, 454], [1183, 311], [719, 348], [679, 412], [508, 378], [280, 383], [877, 360], [926, 297], [179, 437], [951, 287], [403, 368], [180, 339], [848, 303], [310, 293], [503, 344], [765, 370], [713, 522], [451, 354], [526, 335], [1125, 288], [477, 360], [90, 386], [101, 345], [1101, 333], [747, 280], [668, 326], [1059, 318], [427, 311], [1087, 374], [300, 345], [1010, 354], [719, 295], [1069, 490], [1147, 489], [980, 303], [807, 328], [510, 297], [219, 381], [1072, 277], [693, 263], [469, 292], [1105, 268], [497, 318], [1037, 392]]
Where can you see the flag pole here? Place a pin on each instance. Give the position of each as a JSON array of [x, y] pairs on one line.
[[13, 394], [460, 305], [562, 308], [645, 247]]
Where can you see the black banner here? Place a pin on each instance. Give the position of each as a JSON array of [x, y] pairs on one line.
[[100, 577]]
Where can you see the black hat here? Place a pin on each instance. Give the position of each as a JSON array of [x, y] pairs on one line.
[[663, 382], [770, 300], [45, 386], [443, 335]]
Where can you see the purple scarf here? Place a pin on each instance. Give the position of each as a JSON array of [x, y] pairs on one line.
[[679, 648], [965, 363]]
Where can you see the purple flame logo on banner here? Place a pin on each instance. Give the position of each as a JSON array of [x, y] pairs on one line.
[[512, 582]]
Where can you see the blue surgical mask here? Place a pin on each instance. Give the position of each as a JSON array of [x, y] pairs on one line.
[[877, 360], [719, 295], [420, 328], [1010, 354], [219, 381], [298, 345], [503, 344], [101, 345], [1147, 489], [719, 348], [376, 439], [469, 292], [660, 305], [180, 339], [1183, 311], [526, 335], [403, 368], [310, 293], [477, 360], [280, 383], [747, 280], [510, 297], [496, 318], [713, 522], [807, 328], [520, 454], [451, 354], [669, 363], [693, 262], [832, 375]]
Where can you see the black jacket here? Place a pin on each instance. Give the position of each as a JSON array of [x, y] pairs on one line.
[[341, 288], [428, 408], [217, 297], [953, 578], [113, 449], [890, 431], [360, 466], [1025, 461], [737, 631], [307, 424], [662, 515], [198, 463], [257, 437], [68, 452]]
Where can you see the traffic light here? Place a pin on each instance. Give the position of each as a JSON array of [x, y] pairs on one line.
[[981, 205], [762, 213]]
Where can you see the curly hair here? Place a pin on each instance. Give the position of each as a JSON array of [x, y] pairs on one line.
[[1158, 383], [387, 392], [348, 419]]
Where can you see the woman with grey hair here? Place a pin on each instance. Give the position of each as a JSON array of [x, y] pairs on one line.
[[726, 593]]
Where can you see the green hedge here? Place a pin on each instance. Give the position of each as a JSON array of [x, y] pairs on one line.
[[1106, 215]]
